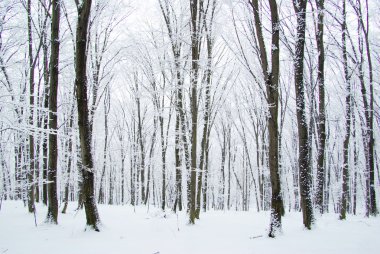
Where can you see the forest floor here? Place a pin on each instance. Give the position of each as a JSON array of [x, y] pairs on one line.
[[140, 230]]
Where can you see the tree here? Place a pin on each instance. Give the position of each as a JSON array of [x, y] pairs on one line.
[[345, 174], [197, 12], [305, 174], [210, 41], [52, 215], [368, 136], [92, 216], [175, 33], [321, 126], [32, 64], [271, 78]]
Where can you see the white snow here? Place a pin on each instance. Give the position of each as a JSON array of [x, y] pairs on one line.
[[139, 231]]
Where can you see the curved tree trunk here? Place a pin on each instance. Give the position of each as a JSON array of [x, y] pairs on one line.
[[92, 215]]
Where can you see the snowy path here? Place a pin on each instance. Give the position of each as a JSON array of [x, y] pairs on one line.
[[148, 232]]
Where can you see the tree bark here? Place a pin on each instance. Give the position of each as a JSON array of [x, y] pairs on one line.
[[345, 174], [30, 192], [305, 174], [271, 77], [52, 215], [321, 174], [207, 110], [92, 215], [196, 13], [69, 162]]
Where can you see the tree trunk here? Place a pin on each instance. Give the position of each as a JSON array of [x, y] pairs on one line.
[[271, 77], [141, 143], [30, 178], [151, 154], [163, 159], [52, 215], [101, 198], [92, 215], [45, 139], [195, 52], [305, 174], [69, 162], [178, 164], [206, 116], [321, 174], [344, 200]]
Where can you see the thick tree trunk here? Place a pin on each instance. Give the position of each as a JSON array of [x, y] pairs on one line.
[[371, 141], [321, 174], [52, 215], [92, 215], [305, 174], [195, 52], [271, 76], [345, 175]]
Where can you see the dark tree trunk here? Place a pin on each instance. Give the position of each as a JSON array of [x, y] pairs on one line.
[[30, 178], [45, 118], [321, 174], [271, 77], [45, 139], [305, 174], [52, 215], [180, 135], [372, 209], [206, 116], [92, 215], [198, 11], [345, 175], [195, 51]]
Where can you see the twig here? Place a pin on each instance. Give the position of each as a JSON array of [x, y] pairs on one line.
[[35, 218], [254, 237]]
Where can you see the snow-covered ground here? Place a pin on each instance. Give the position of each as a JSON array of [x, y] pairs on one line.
[[139, 230]]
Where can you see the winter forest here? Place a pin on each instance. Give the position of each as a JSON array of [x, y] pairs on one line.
[[230, 121]]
